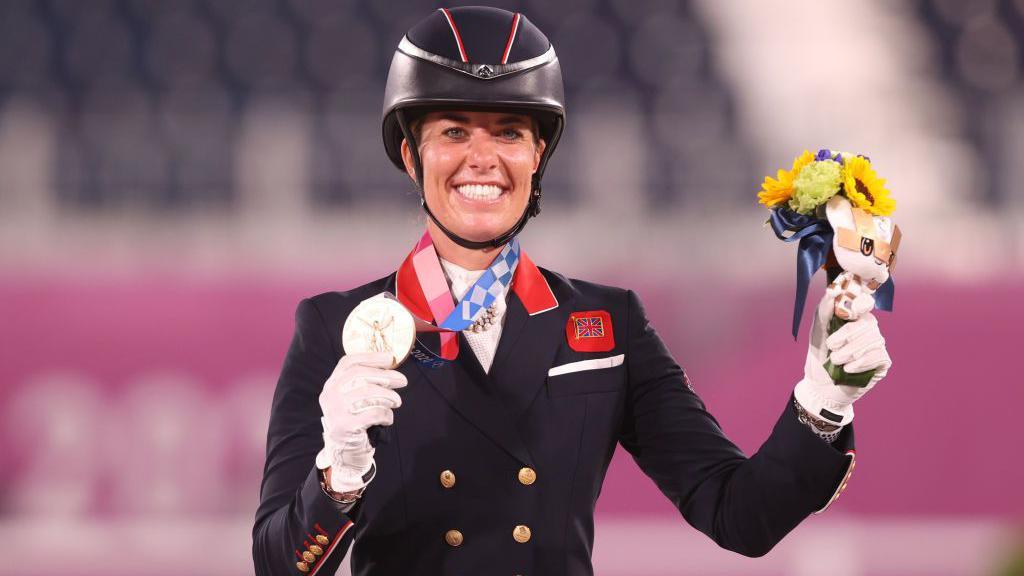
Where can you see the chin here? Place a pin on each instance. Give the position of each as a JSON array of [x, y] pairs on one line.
[[483, 232], [482, 227]]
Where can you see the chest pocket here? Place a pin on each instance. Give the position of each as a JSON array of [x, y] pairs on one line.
[[589, 376]]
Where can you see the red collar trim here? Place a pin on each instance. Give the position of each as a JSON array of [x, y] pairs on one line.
[[528, 283], [532, 287]]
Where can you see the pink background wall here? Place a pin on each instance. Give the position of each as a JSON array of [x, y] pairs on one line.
[[171, 376]]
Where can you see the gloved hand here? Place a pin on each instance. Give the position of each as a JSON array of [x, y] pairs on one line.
[[858, 346], [359, 393]]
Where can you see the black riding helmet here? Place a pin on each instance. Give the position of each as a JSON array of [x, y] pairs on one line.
[[476, 58]]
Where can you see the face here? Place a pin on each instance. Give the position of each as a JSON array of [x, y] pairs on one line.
[[859, 247], [477, 169]]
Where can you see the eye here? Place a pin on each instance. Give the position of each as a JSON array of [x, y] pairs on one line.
[[511, 134], [867, 246], [454, 132]]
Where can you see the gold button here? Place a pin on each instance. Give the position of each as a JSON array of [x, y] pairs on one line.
[[316, 549], [308, 557], [447, 479], [527, 476], [302, 566], [322, 540], [453, 538], [521, 534]]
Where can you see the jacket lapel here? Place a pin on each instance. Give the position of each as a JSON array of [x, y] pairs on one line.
[[466, 396], [535, 337], [527, 349]]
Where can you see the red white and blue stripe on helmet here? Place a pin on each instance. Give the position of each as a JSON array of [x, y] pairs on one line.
[[455, 32], [462, 45]]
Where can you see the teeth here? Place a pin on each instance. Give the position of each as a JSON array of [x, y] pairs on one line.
[[479, 192]]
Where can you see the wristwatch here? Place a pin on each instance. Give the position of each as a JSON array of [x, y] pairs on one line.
[[824, 430], [346, 497]]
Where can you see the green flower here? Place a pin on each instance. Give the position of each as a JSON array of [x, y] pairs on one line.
[[816, 183]]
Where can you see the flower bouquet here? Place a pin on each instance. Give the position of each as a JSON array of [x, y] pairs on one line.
[[837, 207]]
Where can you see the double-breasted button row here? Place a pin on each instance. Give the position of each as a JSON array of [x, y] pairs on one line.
[[521, 533], [527, 476]]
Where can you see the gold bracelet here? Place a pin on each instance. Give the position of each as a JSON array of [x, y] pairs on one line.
[[806, 418], [339, 497]]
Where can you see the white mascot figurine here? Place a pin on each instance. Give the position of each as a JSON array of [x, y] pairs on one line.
[[864, 246], [837, 196]]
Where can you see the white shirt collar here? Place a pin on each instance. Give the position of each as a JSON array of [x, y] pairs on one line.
[[460, 279]]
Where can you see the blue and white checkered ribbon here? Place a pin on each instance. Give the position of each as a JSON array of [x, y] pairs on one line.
[[491, 284]]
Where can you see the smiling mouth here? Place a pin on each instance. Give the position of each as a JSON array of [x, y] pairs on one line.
[[483, 192]]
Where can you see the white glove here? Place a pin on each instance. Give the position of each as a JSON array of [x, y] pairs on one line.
[[360, 393], [858, 346]]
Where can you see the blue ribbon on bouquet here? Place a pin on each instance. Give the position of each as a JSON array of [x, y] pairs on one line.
[[815, 236]]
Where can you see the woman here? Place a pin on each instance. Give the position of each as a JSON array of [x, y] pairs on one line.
[[489, 456]]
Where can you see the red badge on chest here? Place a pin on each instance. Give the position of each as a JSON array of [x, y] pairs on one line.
[[590, 331]]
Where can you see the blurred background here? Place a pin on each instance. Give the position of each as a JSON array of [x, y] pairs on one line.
[[176, 176]]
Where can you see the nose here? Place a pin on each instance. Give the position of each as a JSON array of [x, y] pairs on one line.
[[483, 152]]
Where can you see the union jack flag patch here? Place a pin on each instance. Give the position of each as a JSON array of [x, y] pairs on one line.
[[590, 331], [589, 327]]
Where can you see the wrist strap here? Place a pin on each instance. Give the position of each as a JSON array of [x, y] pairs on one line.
[[347, 497], [824, 430]]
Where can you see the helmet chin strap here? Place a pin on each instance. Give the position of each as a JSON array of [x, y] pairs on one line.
[[532, 208]]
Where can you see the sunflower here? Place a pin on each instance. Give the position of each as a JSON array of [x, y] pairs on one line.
[[780, 189], [865, 189]]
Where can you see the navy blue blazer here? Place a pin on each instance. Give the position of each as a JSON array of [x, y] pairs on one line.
[[499, 473]]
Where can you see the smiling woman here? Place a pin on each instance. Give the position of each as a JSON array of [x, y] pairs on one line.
[[477, 175], [486, 452], [481, 71]]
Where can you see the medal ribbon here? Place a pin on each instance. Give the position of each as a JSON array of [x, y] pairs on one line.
[[437, 306]]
